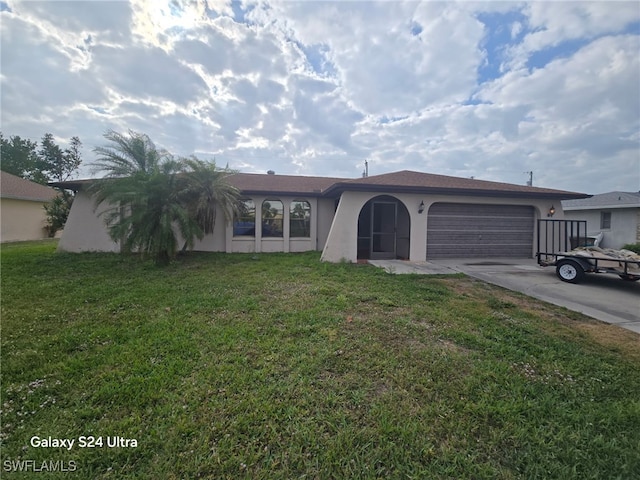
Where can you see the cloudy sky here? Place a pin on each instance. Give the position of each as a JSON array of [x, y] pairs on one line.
[[484, 89]]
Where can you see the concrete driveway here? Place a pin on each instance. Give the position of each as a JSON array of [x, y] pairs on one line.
[[602, 296]]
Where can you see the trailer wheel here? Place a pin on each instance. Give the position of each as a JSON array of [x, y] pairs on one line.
[[569, 271]]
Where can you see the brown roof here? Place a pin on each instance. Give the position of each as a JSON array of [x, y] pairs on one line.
[[418, 182], [252, 183], [255, 183], [21, 189], [403, 181]]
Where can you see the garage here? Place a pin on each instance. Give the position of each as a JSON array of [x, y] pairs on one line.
[[472, 230]]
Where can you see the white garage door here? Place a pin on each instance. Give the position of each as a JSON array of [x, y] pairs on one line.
[[470, 230]]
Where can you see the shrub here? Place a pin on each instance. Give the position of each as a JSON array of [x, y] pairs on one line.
[[57, 212], [634, 247]]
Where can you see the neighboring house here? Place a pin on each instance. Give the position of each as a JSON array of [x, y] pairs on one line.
[[615, 214], [22, 214], [407, 215]]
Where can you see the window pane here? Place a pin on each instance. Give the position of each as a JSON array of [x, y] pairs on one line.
[[605, 220], [272, 217], [300, 219], [244, 224]]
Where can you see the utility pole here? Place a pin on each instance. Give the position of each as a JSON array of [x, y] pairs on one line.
[[365, 174], [530, 182]]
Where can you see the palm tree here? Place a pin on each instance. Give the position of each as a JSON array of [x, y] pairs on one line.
[[129, 155], [206, 188], [151, 197]]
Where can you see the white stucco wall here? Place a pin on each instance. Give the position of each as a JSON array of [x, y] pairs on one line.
[[85, 230], [22, 220], [624, 225], [213, 242], [326, 212], [342, 241]]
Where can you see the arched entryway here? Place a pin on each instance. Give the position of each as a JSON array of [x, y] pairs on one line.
[[384, 229]]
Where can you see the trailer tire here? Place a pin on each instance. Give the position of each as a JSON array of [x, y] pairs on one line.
[[569, 271]]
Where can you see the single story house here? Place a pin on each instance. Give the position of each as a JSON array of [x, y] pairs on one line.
[[22, 208], [615, 214], [405, 215]]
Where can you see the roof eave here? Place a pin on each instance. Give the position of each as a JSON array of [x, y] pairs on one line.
[[280, 192], [28, 199], [337, 189], [74, 185], [600, 207]]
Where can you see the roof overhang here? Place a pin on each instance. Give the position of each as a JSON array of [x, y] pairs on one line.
[[75, 185], [601, 207], [27, 199], [284, 193], [338, 188]]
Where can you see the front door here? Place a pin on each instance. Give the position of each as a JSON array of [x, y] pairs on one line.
[[383, 230]]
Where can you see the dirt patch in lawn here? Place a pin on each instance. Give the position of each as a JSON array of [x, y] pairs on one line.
[[611, 336]]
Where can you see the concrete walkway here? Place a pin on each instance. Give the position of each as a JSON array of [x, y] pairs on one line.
[[604, 297], [421, 268]]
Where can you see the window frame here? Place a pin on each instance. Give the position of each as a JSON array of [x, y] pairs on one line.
[[245, 219], [305, 220], [269, 223], [605, 220]]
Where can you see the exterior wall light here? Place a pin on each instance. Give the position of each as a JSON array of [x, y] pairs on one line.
[[552, 211], [421, 207]]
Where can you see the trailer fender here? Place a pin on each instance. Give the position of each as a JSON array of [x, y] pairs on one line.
[[586, 265]]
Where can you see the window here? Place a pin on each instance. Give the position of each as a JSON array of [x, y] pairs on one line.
[[605, 220], [272, 216], [244, 225], [300, 219]]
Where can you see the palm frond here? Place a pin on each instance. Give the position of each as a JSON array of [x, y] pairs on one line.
[[148, 196], [206, 188]]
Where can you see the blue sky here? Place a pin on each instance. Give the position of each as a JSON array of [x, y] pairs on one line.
[[484, 89], [499, 34]]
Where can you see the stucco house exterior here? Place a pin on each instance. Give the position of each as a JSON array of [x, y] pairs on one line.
[[22, 215], [614, 214], [405, 215]]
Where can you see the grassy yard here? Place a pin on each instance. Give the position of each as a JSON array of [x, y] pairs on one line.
[[277, 366]]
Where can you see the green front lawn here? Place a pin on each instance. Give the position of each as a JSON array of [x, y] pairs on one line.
[[277, 366]]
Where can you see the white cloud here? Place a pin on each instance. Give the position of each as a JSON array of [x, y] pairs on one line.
[[595, 90], [551, 24], [383, 67], [516, 28], [558, 21], [317, 87]]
